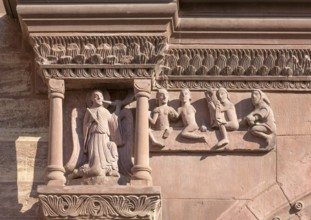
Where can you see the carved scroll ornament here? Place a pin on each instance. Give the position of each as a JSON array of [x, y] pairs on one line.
[[102, 206]]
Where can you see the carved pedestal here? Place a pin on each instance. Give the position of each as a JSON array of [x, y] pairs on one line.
[[89, 202]]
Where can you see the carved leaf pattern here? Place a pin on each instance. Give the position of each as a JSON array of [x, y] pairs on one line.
[[196, 61], [184, 61], [104, 50], [221, 61], [107, 206], [257, 62], [119, 50], [148, 49], [269, 61], [281, 61], [209, 61], [245, 62], [233, 61]]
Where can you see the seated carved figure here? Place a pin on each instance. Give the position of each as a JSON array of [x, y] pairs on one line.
[[161, 117], [261, 120], [222, 114], [187, 114]]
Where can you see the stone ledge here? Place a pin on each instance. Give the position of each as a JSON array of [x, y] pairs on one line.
[[239, 141], [114, 202]]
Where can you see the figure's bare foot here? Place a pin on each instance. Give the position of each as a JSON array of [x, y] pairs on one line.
[[167, 132], [271, 141], [113, 173], [157, 144], [204, 139], [222, 143]]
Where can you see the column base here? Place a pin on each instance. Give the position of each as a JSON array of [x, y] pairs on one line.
[[55, 176], [141, 175], [93, 202]]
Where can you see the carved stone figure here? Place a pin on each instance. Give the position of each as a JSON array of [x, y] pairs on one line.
[[187, 114], [261, 120], [222, 113], [161, 117], [102, 133]]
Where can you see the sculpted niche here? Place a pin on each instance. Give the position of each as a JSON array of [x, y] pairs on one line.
[[103, 132]]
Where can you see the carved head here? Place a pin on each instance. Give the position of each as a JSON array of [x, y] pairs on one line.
[[97, 98], [162, 96], [258, 96], [185, 95], [222, 94]]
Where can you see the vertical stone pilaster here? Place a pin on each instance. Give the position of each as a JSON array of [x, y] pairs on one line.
[[55, 169], [141, 169]]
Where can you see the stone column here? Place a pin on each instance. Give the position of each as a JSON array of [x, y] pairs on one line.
[[55, 169], [141, 169]]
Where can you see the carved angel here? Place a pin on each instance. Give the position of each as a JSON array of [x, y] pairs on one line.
[[95, 152]]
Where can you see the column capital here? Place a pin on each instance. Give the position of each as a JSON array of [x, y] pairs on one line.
[[142, 87], [56, 88]]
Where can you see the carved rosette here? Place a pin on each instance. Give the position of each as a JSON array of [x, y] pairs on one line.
[[101, 206]]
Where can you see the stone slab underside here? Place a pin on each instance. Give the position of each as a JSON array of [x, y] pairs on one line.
[[93, 202]]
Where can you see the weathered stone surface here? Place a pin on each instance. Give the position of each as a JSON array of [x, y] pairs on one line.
[[18, 202], [10, 35], [222, 176], [24, 113], [193, 208], [267, 202], [23, 160], [243, 213], [176, 143], [15, 74], [294, 164]]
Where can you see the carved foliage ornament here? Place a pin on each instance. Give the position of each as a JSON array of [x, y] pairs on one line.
[[99, 49], [262, 62], [103, 206]]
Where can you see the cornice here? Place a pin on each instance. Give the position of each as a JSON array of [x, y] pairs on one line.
[[167, 18]]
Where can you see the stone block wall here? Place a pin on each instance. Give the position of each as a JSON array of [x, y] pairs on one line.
[[195, 185], [23, 125]]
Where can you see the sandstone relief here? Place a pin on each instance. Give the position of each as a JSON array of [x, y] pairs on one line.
[[212, 123], [187, 114], [222, 114], [161, 117], [261, 120], [98, 140]]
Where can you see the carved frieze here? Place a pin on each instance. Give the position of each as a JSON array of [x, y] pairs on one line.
[[131, 57], [99, 49], [103, 206], [247, 62], [101, 72], [211, 122]]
